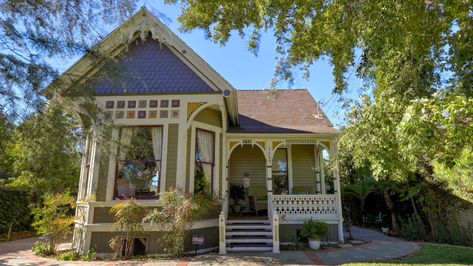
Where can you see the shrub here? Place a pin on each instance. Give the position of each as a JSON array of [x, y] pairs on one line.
[[41, 249], [54, 218], [176, 217], [412, 228], [14, 210], [314, 230], [128, 224], [68, 255], [89, 255]]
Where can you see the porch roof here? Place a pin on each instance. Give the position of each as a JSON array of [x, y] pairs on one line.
[[280, 111]]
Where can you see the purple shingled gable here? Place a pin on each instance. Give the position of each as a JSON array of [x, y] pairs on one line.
[[148, 67]]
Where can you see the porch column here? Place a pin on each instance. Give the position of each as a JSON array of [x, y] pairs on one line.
[[322, 171], [317, 169], [336, 184], [269, 175], [269, 182]]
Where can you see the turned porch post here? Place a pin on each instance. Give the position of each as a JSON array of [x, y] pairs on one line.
[[336, 184], [269, 175]]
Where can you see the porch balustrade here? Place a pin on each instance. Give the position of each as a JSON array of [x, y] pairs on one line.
[[293, 207]]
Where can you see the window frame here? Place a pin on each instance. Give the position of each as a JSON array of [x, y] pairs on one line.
[[117, 162], [212, 164]]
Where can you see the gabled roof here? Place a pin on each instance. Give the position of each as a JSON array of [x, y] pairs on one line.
[[280, 111], [150, 67], [140, 25]]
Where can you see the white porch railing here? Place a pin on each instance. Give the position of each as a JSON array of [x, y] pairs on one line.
[[295, 207]]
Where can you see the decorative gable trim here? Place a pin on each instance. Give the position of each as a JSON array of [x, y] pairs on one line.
[[139, 25]]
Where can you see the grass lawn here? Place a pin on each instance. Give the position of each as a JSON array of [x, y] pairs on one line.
[[431, 254]]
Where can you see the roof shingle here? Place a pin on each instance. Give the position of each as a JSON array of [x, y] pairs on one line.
[[280, 111], [150, 67]]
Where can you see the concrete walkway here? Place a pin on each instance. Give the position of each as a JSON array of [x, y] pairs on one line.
[[378, 247]]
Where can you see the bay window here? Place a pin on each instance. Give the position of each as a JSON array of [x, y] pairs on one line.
[[139, 163], [204, 162]]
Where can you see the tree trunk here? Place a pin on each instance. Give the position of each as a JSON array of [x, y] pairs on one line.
[[390, 205]]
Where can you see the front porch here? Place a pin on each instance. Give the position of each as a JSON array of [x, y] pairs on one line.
[[284, 182]]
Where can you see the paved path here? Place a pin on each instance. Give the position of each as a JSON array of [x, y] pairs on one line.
[[379, 247]]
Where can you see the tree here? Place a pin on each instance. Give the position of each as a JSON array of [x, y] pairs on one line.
[[415, 58], [44, 152], [35, 35], [426, 33]]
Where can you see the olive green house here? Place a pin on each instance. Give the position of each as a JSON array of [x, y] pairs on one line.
[[188, 128]]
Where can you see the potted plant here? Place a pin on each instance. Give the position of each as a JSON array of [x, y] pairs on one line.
[[237, 192], [381, 222], [314, 230]]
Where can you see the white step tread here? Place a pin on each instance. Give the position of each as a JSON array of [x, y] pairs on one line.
[[249, 240], [247, 226], [247, 221], [230, 249], [248, 233]]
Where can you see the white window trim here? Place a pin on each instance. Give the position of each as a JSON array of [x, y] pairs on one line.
[[216, 171]]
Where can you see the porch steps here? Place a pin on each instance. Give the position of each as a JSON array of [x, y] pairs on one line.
[[248, 235]]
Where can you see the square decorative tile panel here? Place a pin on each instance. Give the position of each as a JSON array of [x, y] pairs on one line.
[[175, 114], [153, 103], [130, 114], [120, 104], [131, 104], [142, 104], [175, 103], [141, 114], [153, 114], [108, 114], [163, 114], [119, 114], [109, 104], [164, 103]]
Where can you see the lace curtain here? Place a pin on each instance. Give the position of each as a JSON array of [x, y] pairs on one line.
[[157, 139]]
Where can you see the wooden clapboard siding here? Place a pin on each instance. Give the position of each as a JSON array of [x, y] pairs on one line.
[[302, 165], [171, 165], [103, 175], [210, 117], [248, 159], [189, 157]]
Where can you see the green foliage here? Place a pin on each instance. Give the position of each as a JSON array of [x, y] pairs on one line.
[[412, 228], [389, 34], [54, 218], [35, 35], [459, 177], [41, 249], [14, 210], [45, 152], [89, 255], [176, 217], [6, 134], [314, 230], [201, 182], [68, 255], [128, 216]]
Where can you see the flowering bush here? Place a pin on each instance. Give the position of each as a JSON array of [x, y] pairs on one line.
[[177, 215]]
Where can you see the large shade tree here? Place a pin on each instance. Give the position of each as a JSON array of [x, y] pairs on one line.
[[413, 123], [36, 35]]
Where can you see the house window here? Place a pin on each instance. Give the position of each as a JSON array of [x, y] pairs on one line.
[[280, 173], [139, 163], [204, 162]]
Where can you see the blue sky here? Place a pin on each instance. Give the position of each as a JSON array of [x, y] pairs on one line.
[[246, 71]]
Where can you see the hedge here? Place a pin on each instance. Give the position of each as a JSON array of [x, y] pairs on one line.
[[14, 209]]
